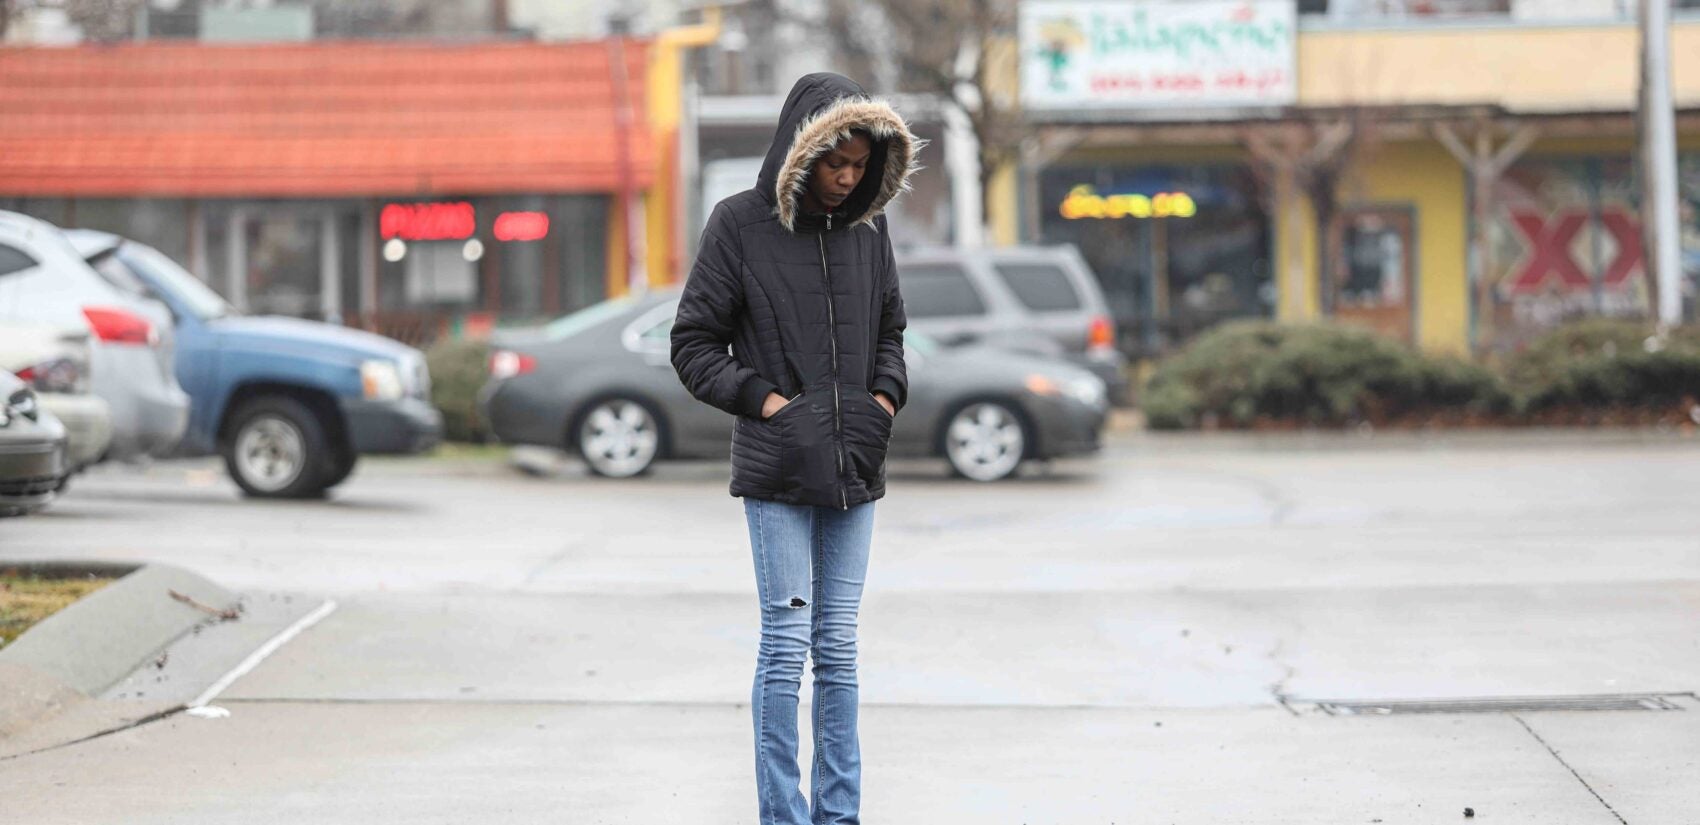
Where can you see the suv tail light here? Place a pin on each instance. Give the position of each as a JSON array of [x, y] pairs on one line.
[[1102, 333], [117, 326], [507, 364]]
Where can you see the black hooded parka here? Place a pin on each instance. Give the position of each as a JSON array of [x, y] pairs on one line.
[[809, 305]]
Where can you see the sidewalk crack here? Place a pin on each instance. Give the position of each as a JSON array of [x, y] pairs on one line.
[[1554, 752]]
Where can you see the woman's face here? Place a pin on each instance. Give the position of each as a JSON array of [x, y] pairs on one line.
[[838, 171]]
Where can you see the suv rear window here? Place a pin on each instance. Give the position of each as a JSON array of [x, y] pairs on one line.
[[938, 290], [1040, 287], [14, 260]]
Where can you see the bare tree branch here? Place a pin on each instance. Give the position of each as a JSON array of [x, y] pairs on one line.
[[922, 40]]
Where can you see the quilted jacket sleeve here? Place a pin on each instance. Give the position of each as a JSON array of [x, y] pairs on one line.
[[709, 307], [891, 376]]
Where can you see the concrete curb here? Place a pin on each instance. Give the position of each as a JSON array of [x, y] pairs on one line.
[[91, 645]]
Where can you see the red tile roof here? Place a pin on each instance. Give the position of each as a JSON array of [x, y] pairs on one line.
[[319, 119]]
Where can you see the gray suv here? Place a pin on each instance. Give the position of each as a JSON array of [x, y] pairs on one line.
[[1041, 299]]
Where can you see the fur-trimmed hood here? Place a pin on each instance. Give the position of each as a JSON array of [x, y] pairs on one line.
[[820, 111]]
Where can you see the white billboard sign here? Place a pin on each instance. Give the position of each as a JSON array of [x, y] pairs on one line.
[[1127, 54]]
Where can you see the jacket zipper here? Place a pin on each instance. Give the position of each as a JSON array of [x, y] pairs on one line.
[[832, 335]]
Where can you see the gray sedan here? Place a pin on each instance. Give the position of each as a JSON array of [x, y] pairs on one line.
[[599, 383]]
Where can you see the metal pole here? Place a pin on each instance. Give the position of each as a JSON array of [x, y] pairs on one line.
[[637, 280], [688, 206], [1659, 158]]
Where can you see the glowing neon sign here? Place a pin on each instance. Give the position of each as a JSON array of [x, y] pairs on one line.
[[427, 221], [521, 226], [1083, 201]]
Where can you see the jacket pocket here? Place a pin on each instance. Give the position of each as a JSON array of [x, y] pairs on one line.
[[868, 437], [788, 408], [876, 400], [810, 447], [758, 456]]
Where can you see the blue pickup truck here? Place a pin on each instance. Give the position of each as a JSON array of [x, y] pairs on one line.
[[290, 404]]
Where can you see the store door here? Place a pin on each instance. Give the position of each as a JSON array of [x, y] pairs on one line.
[[285, 260], [1374, 268]]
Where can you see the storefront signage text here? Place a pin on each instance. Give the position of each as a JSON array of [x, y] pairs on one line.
[[1083, 201], [1118, 54], [521, 226], [427, 221]]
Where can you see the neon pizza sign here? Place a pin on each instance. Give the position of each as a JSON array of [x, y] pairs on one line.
[[427, 221]]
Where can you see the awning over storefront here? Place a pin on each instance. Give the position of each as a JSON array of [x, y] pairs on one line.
[[320, 120]]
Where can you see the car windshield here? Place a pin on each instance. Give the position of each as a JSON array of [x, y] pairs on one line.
[[186, 288], [588, 317]]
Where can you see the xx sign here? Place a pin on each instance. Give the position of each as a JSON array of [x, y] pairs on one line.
[[1550, 241]]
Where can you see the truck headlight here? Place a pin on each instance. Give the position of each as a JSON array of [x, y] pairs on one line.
[[381, 381]]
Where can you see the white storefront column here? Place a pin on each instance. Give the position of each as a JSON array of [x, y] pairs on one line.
[[236, 260], [330, 267]]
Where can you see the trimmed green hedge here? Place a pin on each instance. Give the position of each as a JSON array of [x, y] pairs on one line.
[[458, 369], [1603, 365], [1258, 373], [1248, 373]]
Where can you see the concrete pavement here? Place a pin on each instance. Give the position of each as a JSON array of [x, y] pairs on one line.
[[1108, 642]]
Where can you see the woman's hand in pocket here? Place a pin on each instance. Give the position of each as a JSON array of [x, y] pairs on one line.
[[772, 404], [890, 408]]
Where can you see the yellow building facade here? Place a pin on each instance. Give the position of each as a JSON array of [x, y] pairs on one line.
[[1458, 186]]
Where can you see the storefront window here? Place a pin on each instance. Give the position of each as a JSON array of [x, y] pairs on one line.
[[1565, 243], [1177, 248], [56, 211], [282, 272], [524, 274], [520, 257], [161, 223], [579, 226]]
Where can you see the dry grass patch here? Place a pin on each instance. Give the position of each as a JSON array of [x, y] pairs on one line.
[[26, 600]]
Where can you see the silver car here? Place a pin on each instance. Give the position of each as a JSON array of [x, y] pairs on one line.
[[599, 383], [1039, 299], [45, 280]]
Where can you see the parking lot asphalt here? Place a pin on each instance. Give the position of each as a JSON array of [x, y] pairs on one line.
[[1163, 633]]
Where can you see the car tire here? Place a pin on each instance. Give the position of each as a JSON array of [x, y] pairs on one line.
[[617, 437], [272, 446], [339, 465], [984, 440]]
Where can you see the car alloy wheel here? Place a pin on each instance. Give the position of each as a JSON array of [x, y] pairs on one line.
[[270, 452], [619, 438], [985, 441]]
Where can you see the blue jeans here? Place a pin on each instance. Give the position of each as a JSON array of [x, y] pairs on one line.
[[814, 614]]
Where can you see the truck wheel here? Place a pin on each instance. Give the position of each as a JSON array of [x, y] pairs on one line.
[[339, 466], [274, 448]]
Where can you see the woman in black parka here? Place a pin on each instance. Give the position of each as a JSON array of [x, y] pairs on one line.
[[796, 275]]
